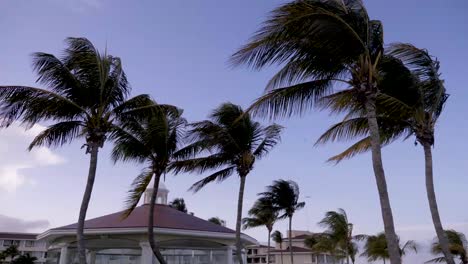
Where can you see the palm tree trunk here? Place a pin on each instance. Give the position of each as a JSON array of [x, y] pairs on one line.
[[239, 219], [281, 248], [93, 150], [290, 240], [268, 249], [152, 242], [431, 197], [389, 226]]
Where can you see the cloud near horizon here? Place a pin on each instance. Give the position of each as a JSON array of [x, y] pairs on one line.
[[15, 158], [12, 224]]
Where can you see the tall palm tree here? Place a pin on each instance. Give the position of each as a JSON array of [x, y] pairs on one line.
[[321, 45], [179, 204], [86, 97], [416, 117], [262, 213], [375, 247], [217, 220], [151, 140], [340, 231], [277, 236], [229, 142], [285, 198], [457, 245]]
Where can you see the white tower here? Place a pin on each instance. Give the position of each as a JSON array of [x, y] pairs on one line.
[[161, 197]]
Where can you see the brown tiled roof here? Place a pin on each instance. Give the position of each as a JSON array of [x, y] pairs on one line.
[[8, 235], [294, 249], [164, 217]]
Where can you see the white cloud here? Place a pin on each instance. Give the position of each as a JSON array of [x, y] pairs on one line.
[[12, 224], [15, 158]]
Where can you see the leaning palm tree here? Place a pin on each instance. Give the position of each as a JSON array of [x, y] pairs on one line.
[[232, 142], [217, 220], [86, 97], [417, 117], [179, 204], [277, 236], [340, 231], [151, 140], [262, 213], [285, 198], [458, 246], [321, 45], [375, 247]]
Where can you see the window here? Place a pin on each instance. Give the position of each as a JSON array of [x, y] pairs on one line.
[[255, 251], [249, 252], [7, 243], [29, 243]]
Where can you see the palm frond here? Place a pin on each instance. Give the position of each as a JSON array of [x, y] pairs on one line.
[[57, 134], [137, 189], [218, 176], [289, 101], [271, 136]]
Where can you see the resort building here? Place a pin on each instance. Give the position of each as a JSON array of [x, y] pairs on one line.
[[26, 244], [281, 254], [110, 239]]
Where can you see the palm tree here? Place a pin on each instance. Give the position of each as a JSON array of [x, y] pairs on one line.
[[340, 231], [285, 198], [376, 247], [11, 251], [324, 243], [457, 245], [86, 97], [217, 220], [24, 259], [262, 213], [322, 45], [151, 140], [179, 204], [277, 236], [415, 117], [232, 141]]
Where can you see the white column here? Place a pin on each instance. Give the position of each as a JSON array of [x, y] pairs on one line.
[[64, 255], [146, 253], [91, 257], [229, 255]]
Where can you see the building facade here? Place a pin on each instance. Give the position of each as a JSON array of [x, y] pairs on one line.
[[26, 243], [280, 254]]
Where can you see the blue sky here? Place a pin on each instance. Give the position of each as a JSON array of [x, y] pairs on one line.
[[177, 51]]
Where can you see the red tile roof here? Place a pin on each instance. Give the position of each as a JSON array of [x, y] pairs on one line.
[[8, 235], [164, 217]]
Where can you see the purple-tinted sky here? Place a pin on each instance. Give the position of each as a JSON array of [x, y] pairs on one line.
[[177, 51]]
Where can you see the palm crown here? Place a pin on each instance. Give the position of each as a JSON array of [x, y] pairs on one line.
[[285, 197], [457, 245], [233, 140]]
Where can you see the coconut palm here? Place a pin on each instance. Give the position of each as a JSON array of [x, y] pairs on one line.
[[24, 259], [417, 116], [232, 142], [86, 96], [11, 252], [375, 247], [179, 204], [277, 237], [151, 140], [285, 198], [457, 245], [262, 213], [340, 231], [324, 243], [217, 220], [321, 45]]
